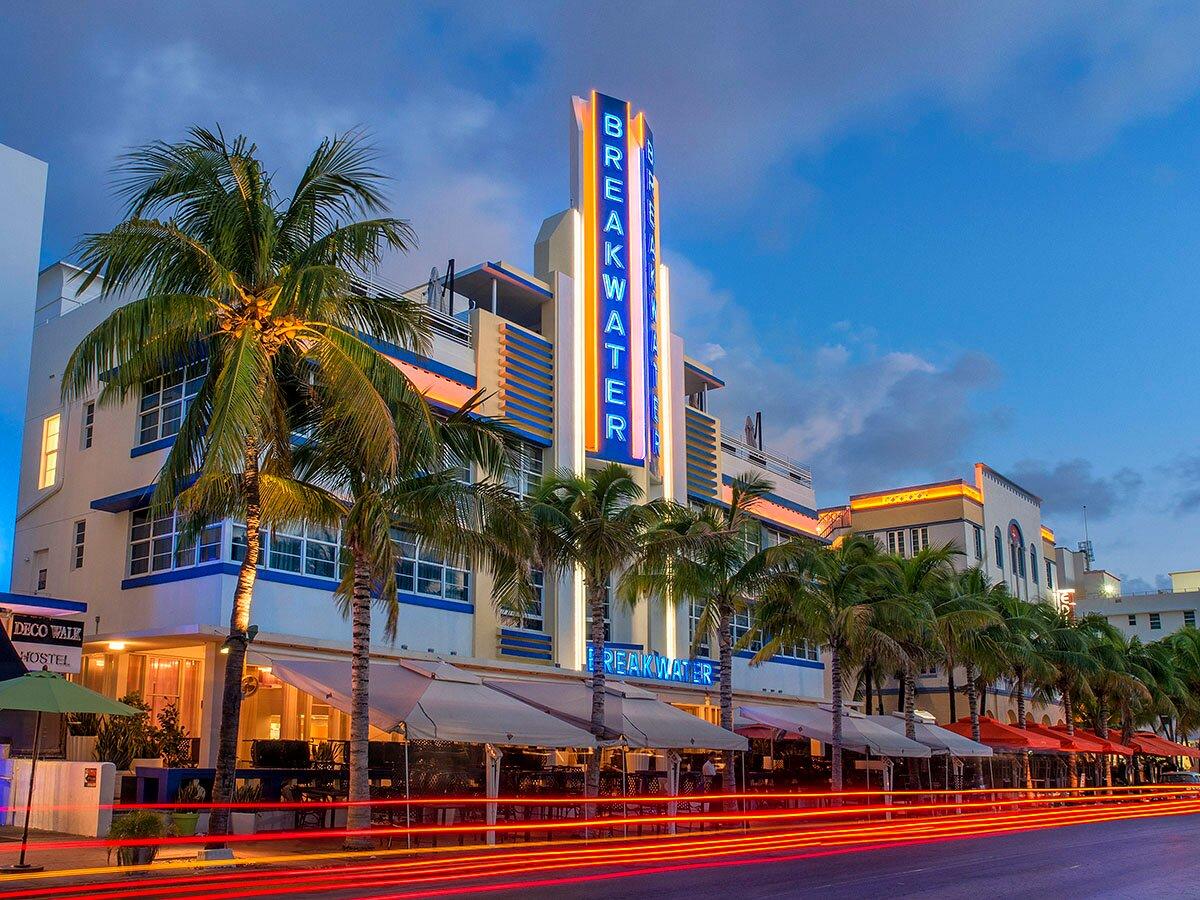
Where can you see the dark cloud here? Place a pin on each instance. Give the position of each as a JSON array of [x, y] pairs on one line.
[[1069, 485], [1183, 475]]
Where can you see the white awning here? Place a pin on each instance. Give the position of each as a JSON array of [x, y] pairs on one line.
[[433, 701], [633, 716], [940, 740], [858, 732]]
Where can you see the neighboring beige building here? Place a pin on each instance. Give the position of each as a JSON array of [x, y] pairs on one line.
[[996, 523], [1149, 616], [1187, 580]]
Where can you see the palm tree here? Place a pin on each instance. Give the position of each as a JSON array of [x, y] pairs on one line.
[[723, 575], [960, 611], [829, 598], [597, 523], [976, 648], [425, 497], [1114, 683], [913, 585], [1024, 653], [260, 291], [1067, 643]]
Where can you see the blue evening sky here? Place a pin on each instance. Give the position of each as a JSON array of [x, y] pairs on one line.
[[914, 236]]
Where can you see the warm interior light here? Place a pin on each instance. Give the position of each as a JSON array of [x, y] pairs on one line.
[[225, 648], [116, 646], [98, 662], [265, 670]]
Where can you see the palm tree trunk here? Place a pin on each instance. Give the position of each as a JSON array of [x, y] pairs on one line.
[[1026, 774], [725, 662], [236, 643], [910, 704], [973, 711], [1072, 759], [596, 593], [982, 701], [1102, 730], [951, 686], [358, 817], [1126, 737], [879, 693], [835, 675]]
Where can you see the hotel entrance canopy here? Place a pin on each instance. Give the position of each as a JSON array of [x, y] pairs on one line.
[[859, 733], [433, 700], [633, 716]]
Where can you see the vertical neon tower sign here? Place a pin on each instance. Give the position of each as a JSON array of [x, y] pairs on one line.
[[617, 195]]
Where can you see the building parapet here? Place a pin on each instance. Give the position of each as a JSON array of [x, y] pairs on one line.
[[776, 463]]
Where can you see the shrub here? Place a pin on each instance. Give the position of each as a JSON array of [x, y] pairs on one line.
[[248, 792], [138, 824], [173, 743], [191, 792]]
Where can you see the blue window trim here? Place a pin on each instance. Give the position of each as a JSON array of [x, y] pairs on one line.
[[288, 578], [785, 660], [526, 654], [152, 446]]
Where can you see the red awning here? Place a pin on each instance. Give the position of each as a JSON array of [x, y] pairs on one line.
[[1003, 737], [1086, 742], [1070, 743], [1151, 744], [1110, 746]]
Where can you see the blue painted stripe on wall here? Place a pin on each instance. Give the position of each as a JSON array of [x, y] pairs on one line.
[[288, 578], [525, 654], [160, 444]]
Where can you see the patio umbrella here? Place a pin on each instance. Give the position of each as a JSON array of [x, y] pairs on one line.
[[48, 692]]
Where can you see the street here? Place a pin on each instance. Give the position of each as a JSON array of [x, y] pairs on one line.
[[1136, 858]]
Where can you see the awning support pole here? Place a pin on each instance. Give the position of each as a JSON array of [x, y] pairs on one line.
[[407, 797], [674, 764], [492, 757]]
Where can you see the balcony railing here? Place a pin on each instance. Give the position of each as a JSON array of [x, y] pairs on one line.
[[451, 323], [776, 463]]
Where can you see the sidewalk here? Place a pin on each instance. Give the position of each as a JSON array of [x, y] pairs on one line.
[[71, 860]]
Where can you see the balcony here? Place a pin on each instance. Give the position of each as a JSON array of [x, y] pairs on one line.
[[775, 463]]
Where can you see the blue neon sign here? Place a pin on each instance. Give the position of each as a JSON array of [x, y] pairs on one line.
[[650, 280], [622, 662], [613, 291]]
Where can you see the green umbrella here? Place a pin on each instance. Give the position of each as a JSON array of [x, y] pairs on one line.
[[48, 692]]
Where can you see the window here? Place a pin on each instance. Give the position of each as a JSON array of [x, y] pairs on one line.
[[919, 539], [928, 671], [694, 610], [803, 650], [157, 545], [89, 425], [742, 625], [165, 400], [77, 544], [895, 543], [1189, 618], [752, 538], [303, 550], [999, 548], [424, 570], [1033, 572], [1132, 620], [48, 469], [41, 579], [1155, 621], [978, 542], [533, 616], [526, 464], [1049, 575]]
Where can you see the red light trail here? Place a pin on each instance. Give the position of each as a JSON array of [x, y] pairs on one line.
[[786, 834]]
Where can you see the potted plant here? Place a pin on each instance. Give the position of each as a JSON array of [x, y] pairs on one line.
[[173, 742], [244, 820], [185, 819], [82, 729], [140, 823]]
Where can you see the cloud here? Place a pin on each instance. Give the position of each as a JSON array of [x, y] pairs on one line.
[[860, 417], [1184, 477], [1135, 584], [1069, 485]]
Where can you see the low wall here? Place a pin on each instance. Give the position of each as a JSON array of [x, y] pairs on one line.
[[69, 794]]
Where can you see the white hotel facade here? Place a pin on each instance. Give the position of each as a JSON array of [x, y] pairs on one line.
[[577, 356]]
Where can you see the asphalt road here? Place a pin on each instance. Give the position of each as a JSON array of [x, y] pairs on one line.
[[1144, 858]]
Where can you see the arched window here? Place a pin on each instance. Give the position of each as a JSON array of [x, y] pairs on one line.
[[1016, 549], [1033, 572], [999, 549]]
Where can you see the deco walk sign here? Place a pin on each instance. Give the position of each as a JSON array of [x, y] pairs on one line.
[[622, 355]]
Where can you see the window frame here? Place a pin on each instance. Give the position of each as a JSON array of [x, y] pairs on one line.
[[191, 377], [999, 548], [87, 430], [48, 457], [1155, 621], [1189, 618], [205, 547], [78, 539]]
